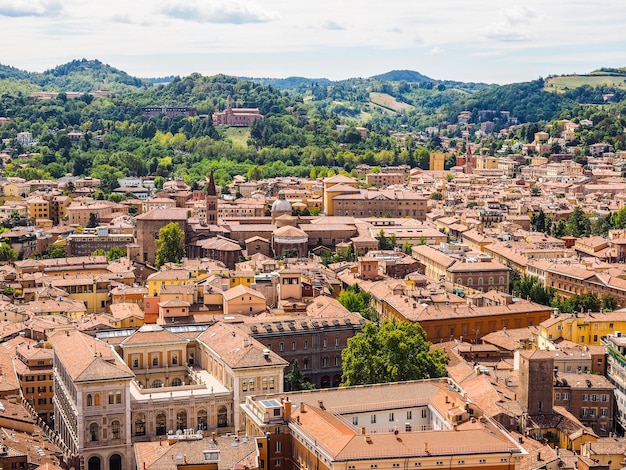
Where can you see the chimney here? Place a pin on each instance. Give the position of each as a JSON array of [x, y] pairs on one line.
[[363, 430], [302, 410], [214, 437], [320, 404], [286, 409]]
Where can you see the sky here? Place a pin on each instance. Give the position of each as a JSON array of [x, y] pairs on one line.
[[471, 40]]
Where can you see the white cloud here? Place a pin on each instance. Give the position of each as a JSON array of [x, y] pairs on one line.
[[437, 51], [333, 26], [26, 8], [218, 11]]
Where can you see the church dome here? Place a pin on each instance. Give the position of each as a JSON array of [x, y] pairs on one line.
[[281, 204]]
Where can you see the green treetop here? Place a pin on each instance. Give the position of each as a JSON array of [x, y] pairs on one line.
[[170, 249], [392, 352]]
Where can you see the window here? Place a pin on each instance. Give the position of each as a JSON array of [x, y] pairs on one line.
[[41, 389], [293, 345], [140, 425], [373, 419], [155, 362], [41, 401], [604, 412], [306, 344], [325, 342], [41, 377], [409, 415], [175, 360], [244, 385], [115, 430], [439, 462], [271, 383], [93, 432], [391, 417], [424, 413], [337, 360], [281, 346], [264, 382], [30, 378], [325, 361], [135, 363], [111, 398], [355, 420], [336, 341], [32, 390], [277, 446]]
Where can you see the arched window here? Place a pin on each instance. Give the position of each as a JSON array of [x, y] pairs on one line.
[[89, 400], [271, 383], [161, 424], [115, 462], [491, 281], [118, 398], [94, 432], [222, 417], [470, 281], [140, 424], [264, 384], [157, 384], [93, 463], [115, 429], [244, 385], [176, 382], [325, 361], [181, 420], [96, 399], [325, 381], [480, 281], [202, 420], [501, 280]]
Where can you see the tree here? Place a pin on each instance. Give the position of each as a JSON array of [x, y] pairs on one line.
[[532, 288], [55, 251], [255, 173], [99, 252], [385, 242], [115, 253], [578, 224], [535, 190], [93, 221], [170, 245], [295, 379], [7, 253], [394, 351], [436, 196]]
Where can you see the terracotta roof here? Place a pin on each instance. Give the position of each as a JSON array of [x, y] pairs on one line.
[[228, 342], [86, 358]]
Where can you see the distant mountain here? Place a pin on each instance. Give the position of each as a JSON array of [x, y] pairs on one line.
[[78, 75], [403, 75], [289, 82], [6, 71]]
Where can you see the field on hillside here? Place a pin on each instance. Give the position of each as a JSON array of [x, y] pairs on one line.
[[239, 135], [389, 102], [560, 84]]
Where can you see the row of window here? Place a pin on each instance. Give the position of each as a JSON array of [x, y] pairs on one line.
[[155, 362], [305, 344], [593, 412], [114, 398], [594, 397], [374, 466], [94, 431], [40, 378], [267, 383], [392, 417], [39, 389], [470, 281]]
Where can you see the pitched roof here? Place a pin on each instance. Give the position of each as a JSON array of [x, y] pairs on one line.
[[86, 358]]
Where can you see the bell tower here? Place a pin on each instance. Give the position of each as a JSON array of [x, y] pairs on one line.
[[211, 201]]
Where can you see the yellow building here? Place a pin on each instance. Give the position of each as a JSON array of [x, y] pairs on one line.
[[586, 329], [168, 277], [437, 161], [38, 208], [334, 186], [241, 278]]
